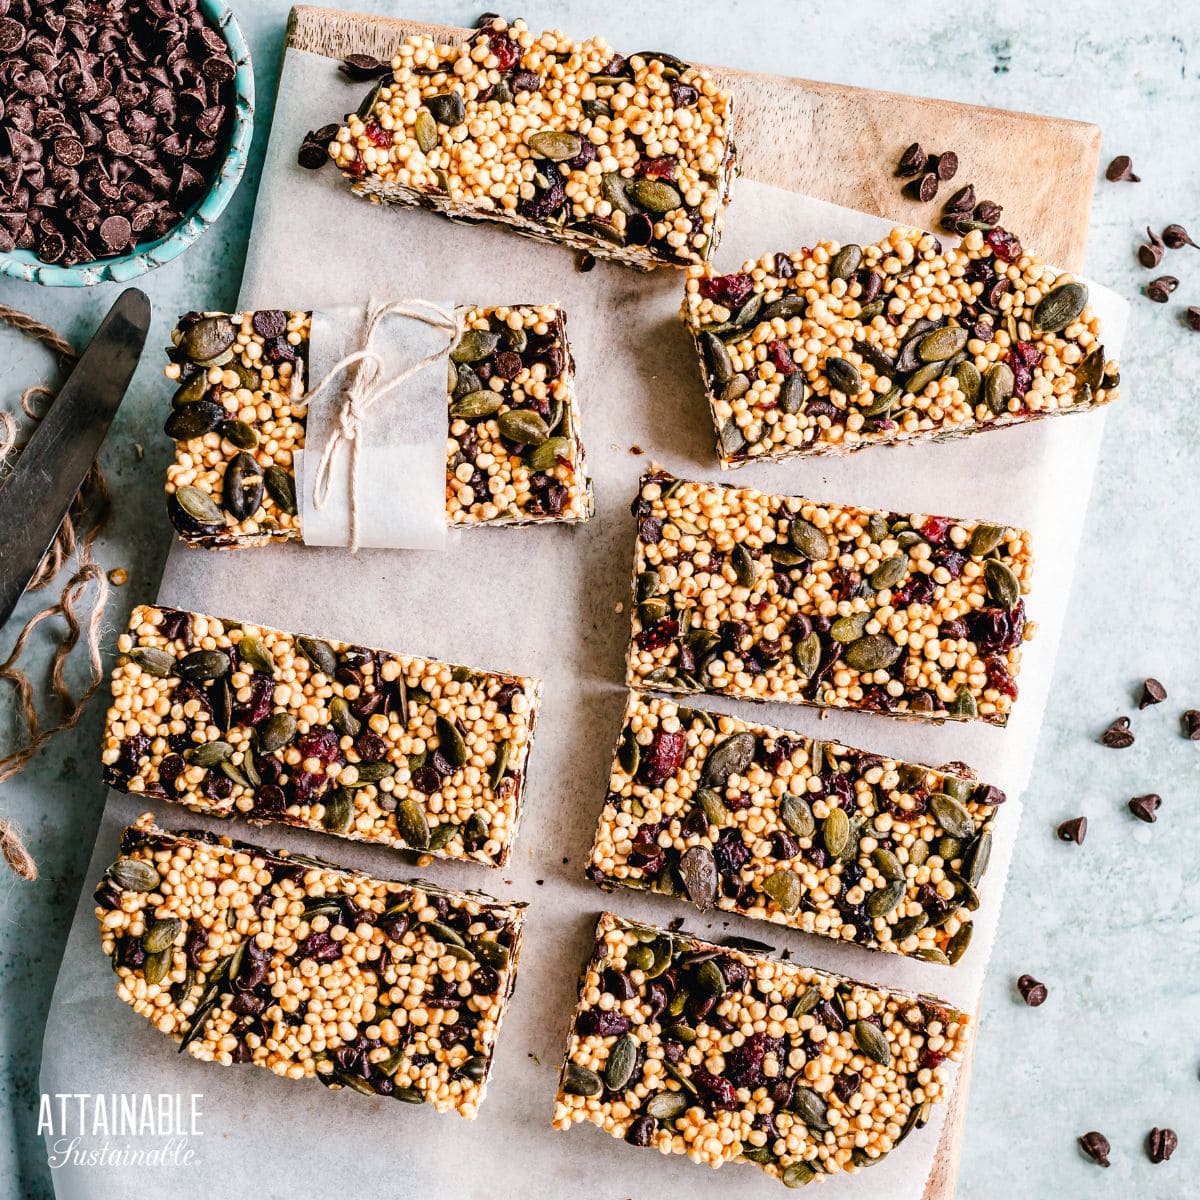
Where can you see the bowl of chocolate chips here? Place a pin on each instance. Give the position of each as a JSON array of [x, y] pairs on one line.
[[124, 131]]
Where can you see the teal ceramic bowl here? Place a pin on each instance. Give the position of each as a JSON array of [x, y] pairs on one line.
[[24, 264]]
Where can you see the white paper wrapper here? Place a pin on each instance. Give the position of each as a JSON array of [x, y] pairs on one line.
[[552, 602], [401, 493]]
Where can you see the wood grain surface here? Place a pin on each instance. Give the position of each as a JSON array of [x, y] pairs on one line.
[[1042, 169]]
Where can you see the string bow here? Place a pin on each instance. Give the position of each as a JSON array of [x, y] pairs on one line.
[[365, 388]]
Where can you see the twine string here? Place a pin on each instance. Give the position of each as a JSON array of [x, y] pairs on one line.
[[76, 537], [364, 389]]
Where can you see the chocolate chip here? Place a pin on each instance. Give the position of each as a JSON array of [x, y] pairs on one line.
[[1176, 237], [1095, 1146], [312, 155], [1193, 317], [963, 201], [1033, 991], [1151, 252], [1074, 830], [1190, 722], [923, 189], [586, 261], [1159, 290], [1145, 807], [946, 166], [1153, 692], [115, 232], [269, 322], [1117, 736], [363, 67], [1121, 170], [912, 161], [988, 211], [1161, 1144]]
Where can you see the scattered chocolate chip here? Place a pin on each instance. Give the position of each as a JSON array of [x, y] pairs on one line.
[[963, 201], [312, 155], [362, 67], [912, 161], [1153, 692], [946, 166], [1095, 1146], [1117, 736], [587, 261], [1193, 317], [1191, 725], [1033, 991], [1161, 1144], [1074, 830], [116, 232], [988, 211], [1145, 807], [1150, 254], [1176, 237], [1159, 290], [923, 189], [1121, 170]]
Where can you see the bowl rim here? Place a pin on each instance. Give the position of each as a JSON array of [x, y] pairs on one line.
[[25, 265]]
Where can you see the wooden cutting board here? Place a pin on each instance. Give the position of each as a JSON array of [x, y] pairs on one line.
[[1042, 169]]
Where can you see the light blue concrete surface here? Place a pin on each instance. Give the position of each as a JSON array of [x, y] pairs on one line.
[[1113, 928]]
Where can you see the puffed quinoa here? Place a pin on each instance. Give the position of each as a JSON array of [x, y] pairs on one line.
[[786, 599], [730, 1056], [312, 971], [833, 348], [566, 141], [238, 417], [234, 719], [809, 834]]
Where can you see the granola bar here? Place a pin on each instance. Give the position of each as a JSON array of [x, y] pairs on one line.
[[833, 348], [630, 158], [233, 719], [730, 1056], [247, 956], [809, 834], [513, 455], [786, 599]]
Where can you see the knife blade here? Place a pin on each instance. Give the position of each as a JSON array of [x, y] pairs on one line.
[[39, 490]]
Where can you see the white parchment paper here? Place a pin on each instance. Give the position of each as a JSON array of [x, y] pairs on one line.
[[550, 602], [400, 499]]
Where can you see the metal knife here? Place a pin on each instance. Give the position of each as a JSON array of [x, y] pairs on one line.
[[39, 490]]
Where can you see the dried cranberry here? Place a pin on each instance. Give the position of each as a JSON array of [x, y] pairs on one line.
[[839, 787], [503, 47], [656, 998], [171, 768], [107, 895], [587, 154], [1004, 244], [270, 800], [508, 364], [377, 135], [133, 749], [784, 846], [525, 81], [918, 590], [217, 787], [321, 743], [784, 267], [650, 530], [371, 748], [134, 954], [715, 1091], [549, 495], [846, 1084], [641, 1131], [744, 1064], [618, 984], [846, 584], [953, 560], [662, 167], [936, 528], [308, 787], [319, 946], [733, 635], [639, 229], [818, 406], [731, 852], [781, 356], [683, 95], [931, 1059], [661, 633], [799, 627], [998, 676], [995, 629], [426, 780], [258, 707], [546, 201], [728, 290], [597, 1022]]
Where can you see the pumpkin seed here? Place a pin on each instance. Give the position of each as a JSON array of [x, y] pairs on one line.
[[153, 661], [474, 345], [425, 130], [194, 420], [809, 540], [411, 824], [797, 816], [209, 754], [736, 388], [883, 900], [807, 655], [447, 108], [719, 366], [952, 816], [156, 966], [208, 338], [792, 393], [698, 870], [281, 487], [276, 731], [713, 807], [743, 566], [985, 539], [1058, 308], [887, 864], [500, 766], [729, 757], [849, 629], [667, 1106], [242, 487], [843, 376], [134, 875], [344, 721], [622, 1058], [648, 583], [201, 665], [920, 379], [875, 652], [161, 934], [882, 403], [784, 888], [239, 434], [998, 385], [889, 572], [320, 654], [845, 262], [555, 145], [1001, 583], [969, 381], [253, 651], [956, 947], [786, 307], [546, 456], [198, 506], [523, 426], [1090, 372], [979, 857], [835, 831], [872, 1041], [811, 1109], [616, 192], [339, 811], [907, 926], [941, 344], [474, 406], [797, 1174], [732, 441], [191, 390], [963, 705], [450, 742], [656, 196]]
